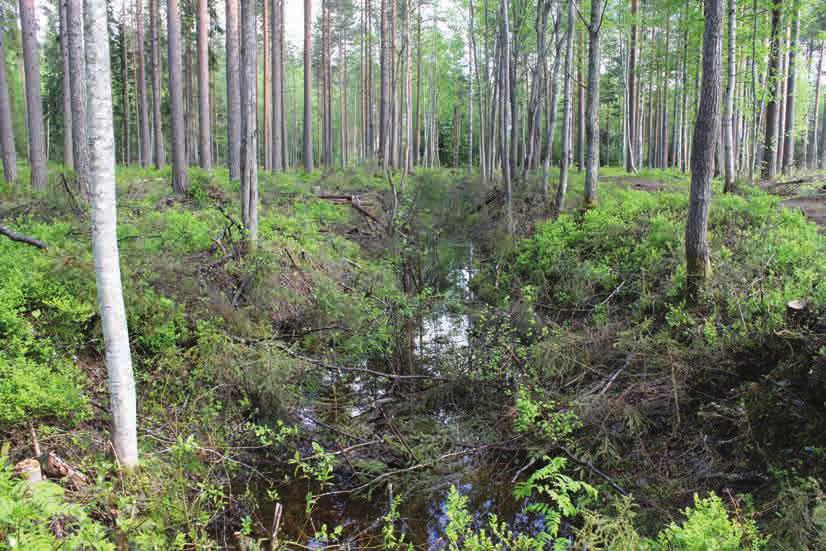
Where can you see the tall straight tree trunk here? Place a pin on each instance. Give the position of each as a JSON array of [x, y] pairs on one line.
[[7, 148], [788, 127], [266, 24], [180, 179], [204, 138], [505, 87], [124, 99], [632, 86], [781, 117], [815, 119], [580, 130], [567, 115], [77, 84], [408, 108], [157, 117], [706, 132], [249, 119], [769, 169], [278, 162], [592, 106], [104, 237], [34, 103], [384, 111], [143, 100], [308, 88], [68, 143], [233, 90], [728, 117]]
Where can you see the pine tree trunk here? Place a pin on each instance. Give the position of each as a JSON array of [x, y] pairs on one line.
[[104, 237], [815, 119], [143, 100], [580, 130], [788, 127], [34, 102], [180, 179], [68, 144], [505, 87], [233, 89], [249, 120], [77, 84], [567, 115], [728, 117], [7, 148], [592, 106], [706, 132], [278, 162], [204, 138], [384, 112], [308, 88], [157, 117]]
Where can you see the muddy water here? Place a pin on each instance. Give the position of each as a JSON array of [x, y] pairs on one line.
[[444, 333]]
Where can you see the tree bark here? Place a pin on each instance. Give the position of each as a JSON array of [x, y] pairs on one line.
[[204, 138], [788, 127], [592, 106], [34, 102], [180, 179], [157, 117], [632, 87], [68, 143], [769, 169], [104, 236], [7, 148], [567, 101], [308, 88], [706, 132], [249, 118], [233, 90], [384, 112], [278, 160], [815, 119], [504, 85], [77, 84], [728, 117], [143, 100]]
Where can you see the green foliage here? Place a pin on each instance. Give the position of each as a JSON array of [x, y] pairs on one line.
[[708, 527], [32, 514]]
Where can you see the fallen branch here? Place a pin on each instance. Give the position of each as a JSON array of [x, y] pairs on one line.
[[20, 238], [353, 201], [590, 466]]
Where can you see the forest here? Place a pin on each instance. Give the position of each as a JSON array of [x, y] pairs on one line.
[[413, 274]]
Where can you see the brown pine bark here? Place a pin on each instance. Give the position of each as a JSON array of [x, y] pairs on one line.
[[7, 148], [308, 89], [249, 121], [34, 102], [592, 105], [68, 145], [769, 168], [204, 129], [157, 117], [788, 127], [232, 42], [266, 23], [143, 100], [728, 117], [180, 180], [278, 161]]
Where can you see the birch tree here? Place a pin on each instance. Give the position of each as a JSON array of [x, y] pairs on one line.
[[104, 236]]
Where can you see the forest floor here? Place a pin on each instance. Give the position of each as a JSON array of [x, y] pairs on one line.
[[367, 377]]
